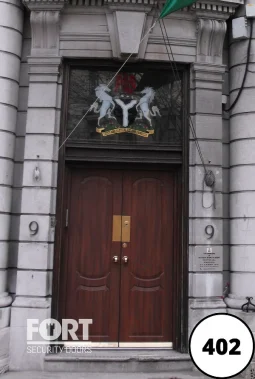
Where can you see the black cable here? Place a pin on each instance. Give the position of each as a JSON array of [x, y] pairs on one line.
[[179, 130], [169, 44], [171, 51], [178, 78], [246, 70], [209, 178]]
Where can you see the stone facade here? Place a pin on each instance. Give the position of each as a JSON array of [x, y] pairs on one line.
[[31, 75], [11, 21]]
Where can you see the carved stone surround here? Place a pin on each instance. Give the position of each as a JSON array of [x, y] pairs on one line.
[[211, 25], [129, 20]]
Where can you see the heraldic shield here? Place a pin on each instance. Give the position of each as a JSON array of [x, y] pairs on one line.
[[125, 113]]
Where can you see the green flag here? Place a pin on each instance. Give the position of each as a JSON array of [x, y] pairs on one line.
[[174, 5]]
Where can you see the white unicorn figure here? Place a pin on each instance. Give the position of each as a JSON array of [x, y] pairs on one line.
[[155, 111], [143, 107], [107, 106]]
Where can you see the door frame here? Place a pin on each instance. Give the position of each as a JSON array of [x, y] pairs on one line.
[[173, 160]]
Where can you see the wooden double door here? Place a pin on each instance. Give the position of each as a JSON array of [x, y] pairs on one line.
[[119, 254]]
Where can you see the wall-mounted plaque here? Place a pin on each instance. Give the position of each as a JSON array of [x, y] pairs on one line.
[[208, 259]]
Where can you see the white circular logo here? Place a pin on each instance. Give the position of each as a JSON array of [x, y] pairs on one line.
[[221, 345]]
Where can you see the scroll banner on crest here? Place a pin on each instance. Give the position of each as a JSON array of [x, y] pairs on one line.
[[137, 132]]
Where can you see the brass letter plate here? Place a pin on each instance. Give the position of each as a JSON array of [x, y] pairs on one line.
[[116, 228], [121, 228]]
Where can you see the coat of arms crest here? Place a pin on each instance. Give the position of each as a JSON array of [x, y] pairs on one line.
[[137, 112]]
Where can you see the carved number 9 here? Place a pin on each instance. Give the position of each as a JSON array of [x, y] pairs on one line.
[[209, 231], [33, 227]]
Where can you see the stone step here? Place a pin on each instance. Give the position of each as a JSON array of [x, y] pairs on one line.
[[119, 361], [75, 375]]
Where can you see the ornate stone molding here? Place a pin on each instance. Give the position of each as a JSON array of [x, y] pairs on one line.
[[45, 4], [235, 302], [45, 32], [145, 5], [205, 303], [134, 2], [45, 18], [135, 5], [210, 38], [211, 27], [44, 68], [216, 7]]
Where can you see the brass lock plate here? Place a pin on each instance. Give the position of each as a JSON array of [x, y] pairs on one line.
[[125, 228], [121, 228]]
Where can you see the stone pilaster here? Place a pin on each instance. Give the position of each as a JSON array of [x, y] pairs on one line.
[[206, 284], [242, 179], [11, 28], [35, 251]]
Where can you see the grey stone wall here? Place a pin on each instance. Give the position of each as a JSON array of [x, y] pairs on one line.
[[11, 29], [19, 154], [241, 198], [60, 30], [225, 161], [206, 286]]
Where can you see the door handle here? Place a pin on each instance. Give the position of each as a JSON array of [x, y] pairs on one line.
[[125, 259], [115, 259]]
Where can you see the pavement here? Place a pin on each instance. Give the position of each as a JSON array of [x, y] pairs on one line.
[[65, 375]]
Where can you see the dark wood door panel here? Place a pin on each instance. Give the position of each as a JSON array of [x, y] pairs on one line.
[[146, 279], [128, 302], [92, 290]]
